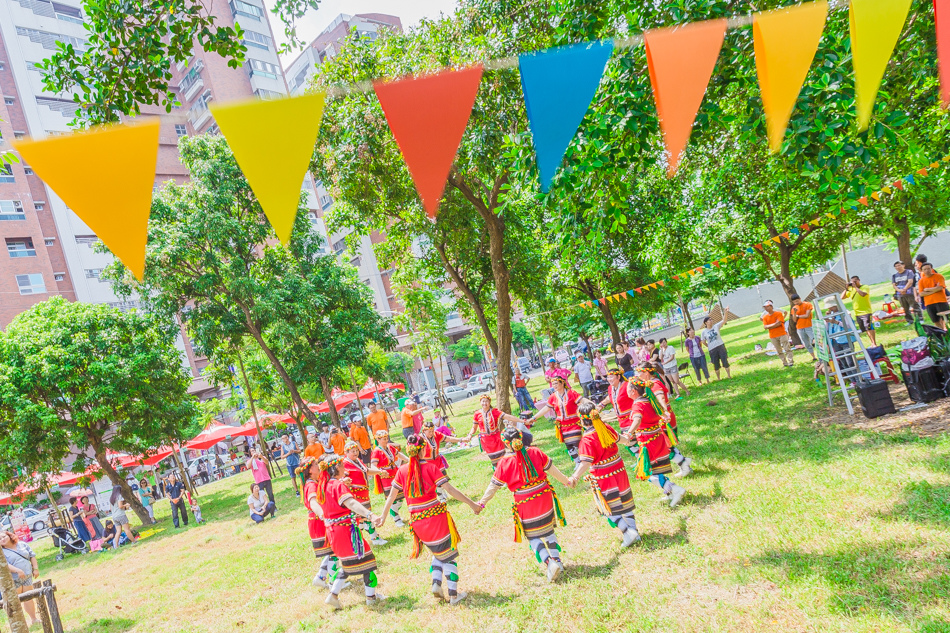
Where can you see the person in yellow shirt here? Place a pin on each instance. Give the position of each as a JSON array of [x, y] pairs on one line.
[[337, 440], [359, 435], [861, 305], [377, 420]]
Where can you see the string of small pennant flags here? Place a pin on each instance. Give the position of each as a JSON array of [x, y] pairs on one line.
[[106, 175], [897, 185]]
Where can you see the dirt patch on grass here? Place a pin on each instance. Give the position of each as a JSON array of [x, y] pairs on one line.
[[927, 421]]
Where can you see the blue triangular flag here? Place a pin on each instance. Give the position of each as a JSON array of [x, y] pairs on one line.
[[630, 292], [558, 86], [910, 179]]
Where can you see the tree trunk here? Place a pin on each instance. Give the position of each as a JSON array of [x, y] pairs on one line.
[[904, 248], [328, 393], [183, 473], [257, 424], [470, 297], [12, 602], [687, 318], [356, 390], [100, 452], [284, 376], [591, 291]]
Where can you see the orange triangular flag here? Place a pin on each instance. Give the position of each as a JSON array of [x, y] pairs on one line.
[[785, 42], [662, 283], [106, 177], [681, 61]]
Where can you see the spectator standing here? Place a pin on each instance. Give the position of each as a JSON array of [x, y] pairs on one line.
[[774, 322], [801, 314], [315, 447], [933, 290], [121, 520], [23, 566], [905, 291], [337, 440], [91, 516], [667, 355], [259, 505], [860, 296], [203, 471], [324, 437], [176, 497], [584, 372], [522, 395], [147, 498], [75, 515], [258, 468], [290, 452], [600, 365], [359, 435], [625, 360], [712, 338], [641, 353], [697, 357], [408, 412], [377, 420]]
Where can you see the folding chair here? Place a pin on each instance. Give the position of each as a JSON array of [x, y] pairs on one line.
[[686, 367]]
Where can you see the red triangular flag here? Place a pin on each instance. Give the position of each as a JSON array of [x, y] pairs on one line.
[[899, 185], [639, 291], [676, 277], [681, 61], [428, 116], [603, 301], [662, 283]]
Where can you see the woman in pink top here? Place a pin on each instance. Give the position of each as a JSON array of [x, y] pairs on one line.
[[600, 365], [258, 468]]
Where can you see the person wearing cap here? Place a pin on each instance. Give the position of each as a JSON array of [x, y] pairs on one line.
[[387, 457], [341, 516], [801, 316], [584, 372], [860, 296], [359, 474], [774, 323], [536, 509]]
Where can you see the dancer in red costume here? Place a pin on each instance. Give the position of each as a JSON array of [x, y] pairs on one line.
[[563, 402], [387, 457]]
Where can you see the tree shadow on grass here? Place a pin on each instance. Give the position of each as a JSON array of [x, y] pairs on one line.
[[600, 570], [105, 625], [923, 503], [890, 580], [703, 500], [485, 600]]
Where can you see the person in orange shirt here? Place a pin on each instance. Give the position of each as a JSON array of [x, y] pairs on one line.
[[337, 440], [359, 435], [314, 447], [377, 420], [933, 290], [774, 322], [801, 316]]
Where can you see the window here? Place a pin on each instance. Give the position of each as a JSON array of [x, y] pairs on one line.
[[88, 240], [19, 134], [11, 210], [257, 40], [49, 241], [246, 9], [20, 247], [9, 100], [29, 172], [356, 262], [39, 206], [265, 69], [189, 80], [325, 201], [67, 13], [339, 246], [267, 94], [31, 284], [59, 276], [3, 66], [181, 129], [93, 273], [49, 40], [6, 173]]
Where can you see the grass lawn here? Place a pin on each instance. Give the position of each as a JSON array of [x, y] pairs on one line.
[[792, 523]]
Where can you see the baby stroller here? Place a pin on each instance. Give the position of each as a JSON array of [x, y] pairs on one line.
[[598, 390], [67, 542]]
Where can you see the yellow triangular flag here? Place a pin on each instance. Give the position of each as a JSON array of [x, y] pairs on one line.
[[934, 165], [273, 141], [875, 27], [785, 42], [886, 190], [876, 195], [777, 238], [106, 177]]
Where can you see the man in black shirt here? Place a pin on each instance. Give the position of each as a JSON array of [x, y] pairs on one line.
[[176, 496], [905, 283]]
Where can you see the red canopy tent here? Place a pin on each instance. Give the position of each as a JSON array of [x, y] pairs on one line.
[[218, 433], [7, 499], [371, 389], [68, 479]]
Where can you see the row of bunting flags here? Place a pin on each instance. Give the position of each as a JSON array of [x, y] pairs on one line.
[[897, 185], [106, 176]]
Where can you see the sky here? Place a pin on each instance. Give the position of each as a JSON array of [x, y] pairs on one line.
[[409, 11]]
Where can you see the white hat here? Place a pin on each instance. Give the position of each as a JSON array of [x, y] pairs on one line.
[[768, 302]]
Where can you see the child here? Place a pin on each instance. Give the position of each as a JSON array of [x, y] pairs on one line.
[[442, 424], [195, 508]]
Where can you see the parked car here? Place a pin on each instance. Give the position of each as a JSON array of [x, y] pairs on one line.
[[428, 398], [36, 519], [523, 364], [481, 382], [454, 394]]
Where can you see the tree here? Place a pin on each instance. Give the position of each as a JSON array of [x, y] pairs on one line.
[[131, 45], [80, 379], [468, 349], [521, 337], [424, 316]]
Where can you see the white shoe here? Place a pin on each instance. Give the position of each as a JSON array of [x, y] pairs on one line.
[[437, 592], [554, 570], [685, 468], [379, 541], [376, 599], [457, 598], [320, 582], [399, 523], [333, 602], [630, 537], [677, 495], [665, 498]]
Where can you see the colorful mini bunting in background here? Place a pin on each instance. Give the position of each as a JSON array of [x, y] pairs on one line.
[[661, 282], [630, 292], [681, 60], [108, 182], [785, 42], [272, 141], [899, 185], [875, 28], [639, 291], [558, 86], [428, 115], [942, 23], [910, 179], [876, 195]]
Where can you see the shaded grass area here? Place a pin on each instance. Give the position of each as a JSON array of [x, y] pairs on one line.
[[789, 525]]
